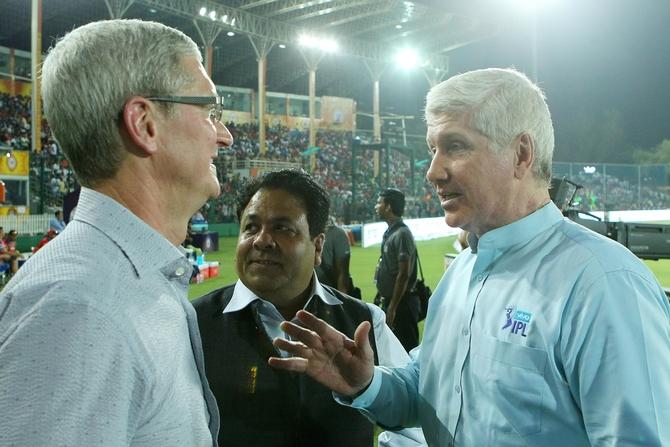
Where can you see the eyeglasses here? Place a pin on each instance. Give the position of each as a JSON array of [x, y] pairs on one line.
[[215, 113]]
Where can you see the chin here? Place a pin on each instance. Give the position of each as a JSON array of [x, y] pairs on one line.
[[215, 191], [452, 221]]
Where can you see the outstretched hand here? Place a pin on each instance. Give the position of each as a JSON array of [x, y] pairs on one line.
[[326, 355]]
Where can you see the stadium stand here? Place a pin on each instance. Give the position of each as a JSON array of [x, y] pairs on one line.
[[51, 177]]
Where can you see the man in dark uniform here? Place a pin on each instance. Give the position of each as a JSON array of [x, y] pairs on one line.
[[282, 219], [396, 271], [334, 268]]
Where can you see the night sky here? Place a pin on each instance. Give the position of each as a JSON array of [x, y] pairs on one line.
[[592, 56]]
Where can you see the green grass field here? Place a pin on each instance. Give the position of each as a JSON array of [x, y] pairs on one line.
[[363, 262]]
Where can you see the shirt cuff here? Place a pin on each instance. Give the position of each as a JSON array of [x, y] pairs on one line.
[[367, 397]]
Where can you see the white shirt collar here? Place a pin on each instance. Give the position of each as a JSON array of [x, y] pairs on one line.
[[243, 296]]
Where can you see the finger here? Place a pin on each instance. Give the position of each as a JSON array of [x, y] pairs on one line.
[[305, 335], [292, 347], [326, 333], [296, 364], [316, 324], [361, 336]]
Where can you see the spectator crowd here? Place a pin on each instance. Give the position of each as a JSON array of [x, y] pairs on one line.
[[51, 176]]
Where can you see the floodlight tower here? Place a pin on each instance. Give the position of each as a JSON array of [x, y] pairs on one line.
[[262, 47], [208, 31], [376, 69], [313, 49], [436, 69], [36, 53]]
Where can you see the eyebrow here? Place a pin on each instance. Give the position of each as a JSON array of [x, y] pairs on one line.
[[255, 217], [449, 136]]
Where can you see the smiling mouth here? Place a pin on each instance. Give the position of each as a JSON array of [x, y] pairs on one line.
[[449, 196], [263, 262]]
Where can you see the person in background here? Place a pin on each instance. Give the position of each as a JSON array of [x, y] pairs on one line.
[[45, 240], [57, 223], [99, 344], [397, 270], [542, 333], [9, 261], [282, 219], [334, 268], [8, 253], [461, 242], [198, 217]]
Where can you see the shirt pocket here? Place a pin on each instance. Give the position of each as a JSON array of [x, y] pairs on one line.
[[513, 377]]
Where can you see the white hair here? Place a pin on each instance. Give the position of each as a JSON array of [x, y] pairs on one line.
[[500, 104]]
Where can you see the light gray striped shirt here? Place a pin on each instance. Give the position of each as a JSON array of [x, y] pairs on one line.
[[98, 342]]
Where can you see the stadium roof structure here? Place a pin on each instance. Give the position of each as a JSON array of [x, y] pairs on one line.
[[369, 32]]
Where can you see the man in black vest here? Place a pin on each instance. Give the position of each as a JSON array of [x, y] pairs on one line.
[[282, 219]]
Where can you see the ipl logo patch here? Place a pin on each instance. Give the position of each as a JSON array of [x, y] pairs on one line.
[[518, 319]]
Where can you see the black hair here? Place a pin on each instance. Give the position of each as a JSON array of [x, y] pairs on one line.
[[395, 198], [297, 183]]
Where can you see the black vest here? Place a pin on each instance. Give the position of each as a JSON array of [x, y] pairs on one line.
[[263, 406]]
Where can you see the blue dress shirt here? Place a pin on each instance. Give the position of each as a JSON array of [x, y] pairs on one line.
[[542, 334]]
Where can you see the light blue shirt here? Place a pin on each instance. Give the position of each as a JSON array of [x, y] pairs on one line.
[[98, 342], [57, 225], [544, 334]]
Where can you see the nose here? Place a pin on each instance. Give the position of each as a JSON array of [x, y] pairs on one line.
[[223, 135], [433, 173], [263, 240]]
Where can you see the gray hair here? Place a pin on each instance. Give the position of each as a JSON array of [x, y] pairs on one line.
[[90, 74], [500, 104]]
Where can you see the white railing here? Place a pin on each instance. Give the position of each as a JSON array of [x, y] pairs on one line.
[[265, 165], [26, 224]]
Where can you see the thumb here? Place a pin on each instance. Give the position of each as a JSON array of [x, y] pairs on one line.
[[362, 339]]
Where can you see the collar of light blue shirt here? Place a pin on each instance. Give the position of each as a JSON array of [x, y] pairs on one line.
[[243, 296], [519, 231]]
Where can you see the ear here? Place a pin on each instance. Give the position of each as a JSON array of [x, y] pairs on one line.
[[318, 245], [139, 118], [524, 155]]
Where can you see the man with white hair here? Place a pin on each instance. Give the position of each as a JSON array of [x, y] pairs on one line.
[[542, 333], [98, 342]]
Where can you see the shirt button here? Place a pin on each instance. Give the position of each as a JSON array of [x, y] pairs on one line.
[[457, 388], [466, 332], [180, 271], [480, 277]]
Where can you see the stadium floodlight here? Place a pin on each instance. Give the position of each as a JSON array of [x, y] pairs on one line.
[[232, 22], [224, 18], [407, 58], [329, 45], [203, 11], [322, 43], [212, 15], [230, 34], [282, 46], [304, 40]]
